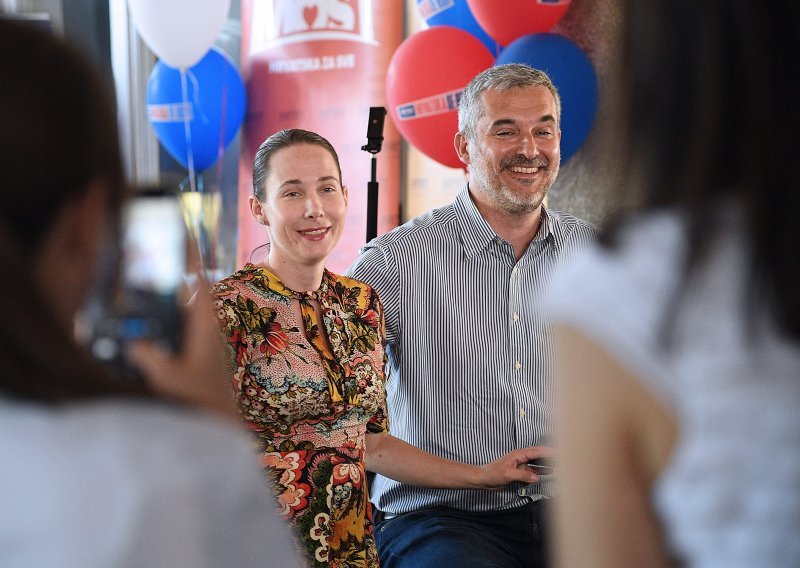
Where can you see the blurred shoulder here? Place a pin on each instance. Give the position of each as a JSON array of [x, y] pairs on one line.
[[569, 227], [643, 255], [132, 483], [121, 436]]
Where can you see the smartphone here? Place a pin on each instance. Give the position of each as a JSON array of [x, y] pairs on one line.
[[152, 266], [542, 466]]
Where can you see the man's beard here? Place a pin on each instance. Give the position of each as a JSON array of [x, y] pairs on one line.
[[512, 202]]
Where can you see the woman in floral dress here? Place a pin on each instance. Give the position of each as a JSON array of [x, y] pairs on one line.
[[307, 353]]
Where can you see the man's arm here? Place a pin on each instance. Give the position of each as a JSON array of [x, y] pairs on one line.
[[399, 460]]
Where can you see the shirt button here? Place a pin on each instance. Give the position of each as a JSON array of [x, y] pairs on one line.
[[515, 316], [517, 365], [522, 412]]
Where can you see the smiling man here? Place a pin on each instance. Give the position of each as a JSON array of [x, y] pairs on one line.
[[468, 350]]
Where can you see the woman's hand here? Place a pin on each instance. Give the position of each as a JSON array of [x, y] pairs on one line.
[[197, 375]]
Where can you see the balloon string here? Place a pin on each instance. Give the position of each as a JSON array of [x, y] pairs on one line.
[[187, 130], [221, 147], [193, 216], [213, 237], [188, 114], [207, 231]]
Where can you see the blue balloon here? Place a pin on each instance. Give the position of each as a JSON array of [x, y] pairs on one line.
[[215, 106], [456, 13], [573, 75]]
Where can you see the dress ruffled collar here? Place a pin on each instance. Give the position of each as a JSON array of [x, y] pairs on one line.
[[276, 285]]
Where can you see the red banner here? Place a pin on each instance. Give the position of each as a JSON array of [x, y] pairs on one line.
[[320, 65]]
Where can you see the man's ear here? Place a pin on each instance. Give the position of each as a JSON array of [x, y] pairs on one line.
[[462, 147], [257, 210]]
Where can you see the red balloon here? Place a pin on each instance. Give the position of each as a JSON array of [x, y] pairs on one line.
[[424, 82], [510, 19]]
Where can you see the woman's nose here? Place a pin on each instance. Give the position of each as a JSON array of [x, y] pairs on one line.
[[314, 207]]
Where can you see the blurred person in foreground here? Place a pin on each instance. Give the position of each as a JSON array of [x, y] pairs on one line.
[[679, 340], [469, 351], [97, 471], [307, 351]]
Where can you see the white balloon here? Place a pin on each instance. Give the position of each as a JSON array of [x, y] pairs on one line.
[[179, 32]]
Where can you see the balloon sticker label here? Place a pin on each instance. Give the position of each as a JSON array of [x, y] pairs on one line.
[[430, 8], [430, 106], [171, 112]]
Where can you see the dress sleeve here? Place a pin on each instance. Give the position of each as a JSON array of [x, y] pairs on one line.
[[232, 331]]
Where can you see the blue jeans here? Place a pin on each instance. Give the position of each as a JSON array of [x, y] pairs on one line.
[[441, 538]]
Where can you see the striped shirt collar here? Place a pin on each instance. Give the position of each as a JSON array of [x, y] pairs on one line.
[[476, 234]]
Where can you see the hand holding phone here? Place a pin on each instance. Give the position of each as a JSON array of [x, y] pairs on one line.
[[152, 256], [542, 466], [198, 375]]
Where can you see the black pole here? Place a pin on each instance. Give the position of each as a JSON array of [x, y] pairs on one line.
[[372, 201], [373, 146]]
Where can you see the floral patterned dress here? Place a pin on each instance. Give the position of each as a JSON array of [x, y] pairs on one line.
[[309, 402]]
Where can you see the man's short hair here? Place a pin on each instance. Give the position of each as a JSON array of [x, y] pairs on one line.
[[499, 78]]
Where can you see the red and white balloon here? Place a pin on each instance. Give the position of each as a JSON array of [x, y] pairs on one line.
[[424, 82]]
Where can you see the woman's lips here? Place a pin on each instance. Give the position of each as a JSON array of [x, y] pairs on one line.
[[315, 233]]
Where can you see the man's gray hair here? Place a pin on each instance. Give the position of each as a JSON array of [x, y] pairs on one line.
[[499, 78]]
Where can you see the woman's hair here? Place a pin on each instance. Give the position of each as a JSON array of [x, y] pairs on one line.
[[708, 113], [499, 78], [278, 141], [57, 135]]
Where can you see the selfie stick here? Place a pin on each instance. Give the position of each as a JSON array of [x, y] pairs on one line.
[[373, 146]]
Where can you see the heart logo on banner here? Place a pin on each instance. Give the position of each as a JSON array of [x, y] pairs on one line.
[[310, 15]]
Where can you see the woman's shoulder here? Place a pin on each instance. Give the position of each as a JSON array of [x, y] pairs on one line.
[[116, 434], [161, 479], [618, 296], [349, 282], [351, 293], [637, 270], [237, 281], [357, 288]]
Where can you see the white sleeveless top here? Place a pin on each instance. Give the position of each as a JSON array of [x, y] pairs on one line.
[[730, 496]]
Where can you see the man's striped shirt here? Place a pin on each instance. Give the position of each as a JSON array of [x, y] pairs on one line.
[[468, 350]]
